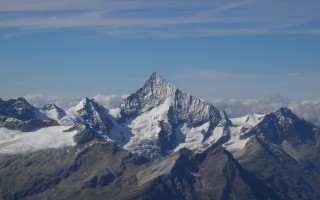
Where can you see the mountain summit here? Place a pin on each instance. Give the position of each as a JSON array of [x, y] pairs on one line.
[[89, 112], [161, 118], [154, 92], [18, 114], [53, 111], [160, 143]]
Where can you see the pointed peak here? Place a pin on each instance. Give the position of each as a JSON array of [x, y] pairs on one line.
[[284, 111], [87, 102], [156, 77], [22, 99], [154, 74], [49, 106], [157, 84], [82, 103]]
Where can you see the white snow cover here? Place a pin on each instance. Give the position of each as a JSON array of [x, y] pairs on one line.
[[193, 136], [240, 126], [53, 114], [140, 133], [217, 134], [16, 142], [247, 121], [146, 126], [72, 116]]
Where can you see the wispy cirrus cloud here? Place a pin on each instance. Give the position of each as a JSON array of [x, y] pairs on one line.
[[163, 18]]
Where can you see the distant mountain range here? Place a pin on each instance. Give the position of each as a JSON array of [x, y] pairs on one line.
[[160, 143]]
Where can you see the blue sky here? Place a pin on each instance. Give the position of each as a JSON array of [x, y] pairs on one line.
[[211, 49]]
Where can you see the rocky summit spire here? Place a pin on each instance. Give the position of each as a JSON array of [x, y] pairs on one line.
[[156, 77], [94, 115], [154, 92], [157, 85]]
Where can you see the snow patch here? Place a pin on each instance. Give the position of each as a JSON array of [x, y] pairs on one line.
[[235, 143], [216, 135], [72, 116], [239, 127], [146, 126], [193, 136], [140, 134], [248, 120]]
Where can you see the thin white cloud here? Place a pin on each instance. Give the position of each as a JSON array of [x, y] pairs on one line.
[[163, 18], [109, 101], [65, 102], [309, 110]]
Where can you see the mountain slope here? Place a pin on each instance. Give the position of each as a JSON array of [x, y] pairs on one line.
[[91, 113], [283, 151], [160, 143], [159, 117], [53, 111], [105, 171], [18, 114]]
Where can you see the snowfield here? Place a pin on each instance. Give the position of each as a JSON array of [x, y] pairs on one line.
[[16, 142], [239, 124]]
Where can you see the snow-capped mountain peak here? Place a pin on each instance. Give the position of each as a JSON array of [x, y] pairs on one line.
[[158, 84], [155, 92], [20, 109], [53, 111], [89, 112], [159, 117], [18, 114], [285, 114]]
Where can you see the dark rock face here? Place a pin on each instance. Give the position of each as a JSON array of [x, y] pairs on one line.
[[155, 91], [95, 115], [104, 171], [18, 108], [18, 114], [283, 152], [26, 126], [273, 164], [284, 125]]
